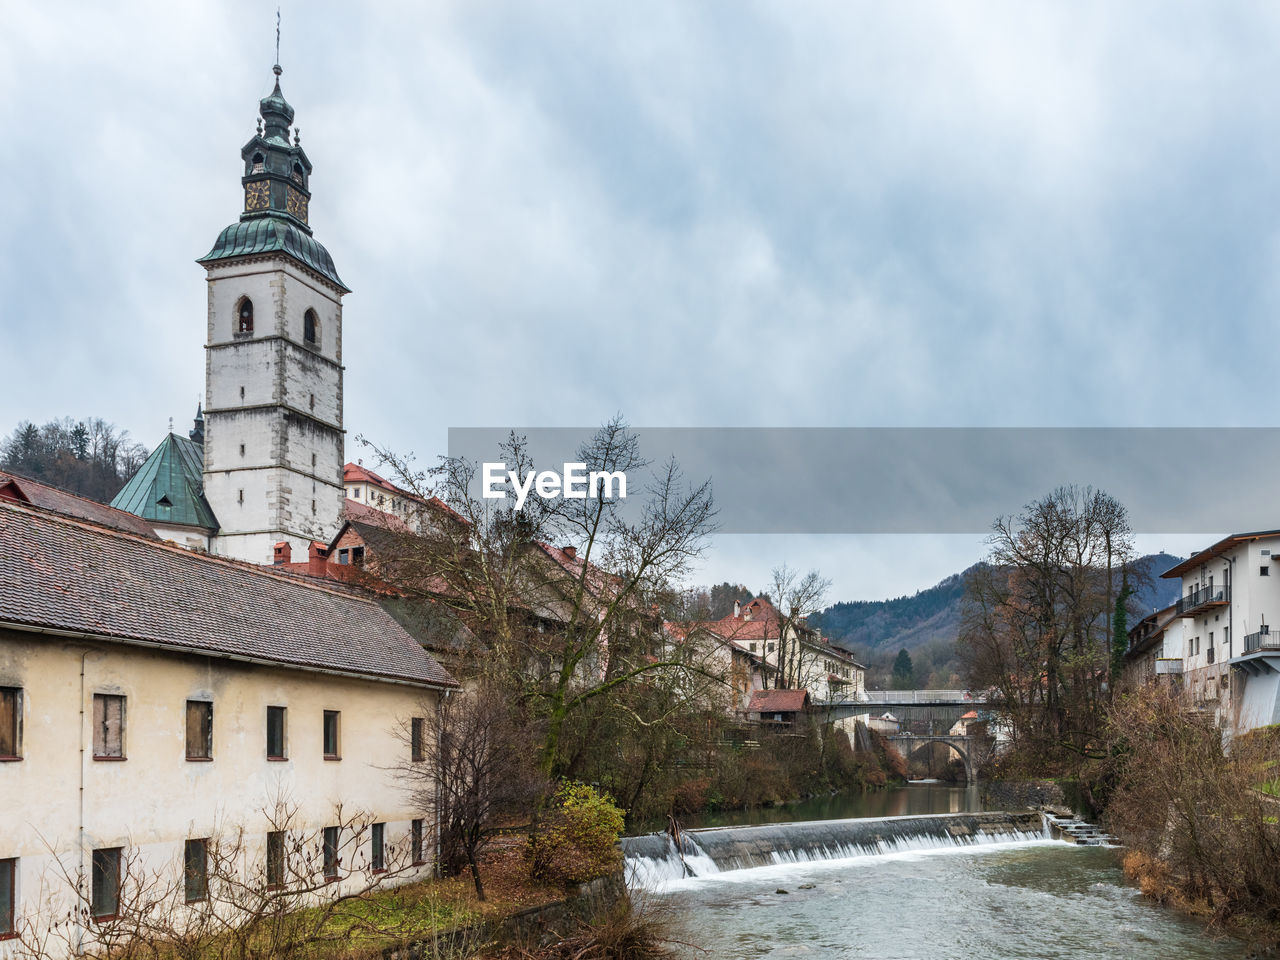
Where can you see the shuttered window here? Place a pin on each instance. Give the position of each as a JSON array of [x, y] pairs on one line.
[[417, 728], [199, 730], [105, 894], [108, 727], [10, 723], [415, 839], [195, 863], [331, 853], [378, 853], [275, 859], [331, 719], [8, 868], [275, 733]]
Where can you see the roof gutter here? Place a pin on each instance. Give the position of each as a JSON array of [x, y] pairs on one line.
[[218, 655]]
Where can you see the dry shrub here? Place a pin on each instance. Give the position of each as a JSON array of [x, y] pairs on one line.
[[690, 796], [624, 930], [1201, 834]]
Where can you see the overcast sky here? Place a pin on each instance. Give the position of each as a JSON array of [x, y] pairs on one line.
[[696, 214]]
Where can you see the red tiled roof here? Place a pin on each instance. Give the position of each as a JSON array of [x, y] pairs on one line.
[[51, 498], [971, 715], [778, 701], [355, 510], [354, 473], [58, 573]]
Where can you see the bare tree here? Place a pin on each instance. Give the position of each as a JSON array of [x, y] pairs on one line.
[[1037, 615], [476, 771], [795, 597], [565, 595]]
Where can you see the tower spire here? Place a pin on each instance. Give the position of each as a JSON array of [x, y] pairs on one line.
[[276, 69]]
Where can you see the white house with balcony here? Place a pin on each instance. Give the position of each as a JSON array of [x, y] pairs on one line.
[[1231, 659]]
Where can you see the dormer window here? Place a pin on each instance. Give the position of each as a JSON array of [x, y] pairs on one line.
[[310, 328], [245, 315]]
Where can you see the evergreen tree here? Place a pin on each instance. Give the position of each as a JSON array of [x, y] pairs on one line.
[[903, 671], [1119, 633]]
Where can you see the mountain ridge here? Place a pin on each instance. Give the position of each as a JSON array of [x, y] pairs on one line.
[[913, 621]]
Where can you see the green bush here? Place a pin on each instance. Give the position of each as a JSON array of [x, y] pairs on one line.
[[577, 837]]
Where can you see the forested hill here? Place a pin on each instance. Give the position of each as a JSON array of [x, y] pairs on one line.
[[933, 614]]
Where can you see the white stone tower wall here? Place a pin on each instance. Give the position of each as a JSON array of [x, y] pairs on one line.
[[273, 408]]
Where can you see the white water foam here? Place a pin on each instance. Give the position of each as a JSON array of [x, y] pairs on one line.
[[654, 863], [640, 876]]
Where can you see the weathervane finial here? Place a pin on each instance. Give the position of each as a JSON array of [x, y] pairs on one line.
[[276, 69]]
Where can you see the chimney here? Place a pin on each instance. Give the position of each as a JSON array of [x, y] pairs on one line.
[[737, 609], [317, 558], [570, 552], [283, 553]]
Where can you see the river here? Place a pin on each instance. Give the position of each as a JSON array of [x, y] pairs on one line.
[[1021, 897]]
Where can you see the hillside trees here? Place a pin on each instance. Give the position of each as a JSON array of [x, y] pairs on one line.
[[1038, 617], [91, 457]]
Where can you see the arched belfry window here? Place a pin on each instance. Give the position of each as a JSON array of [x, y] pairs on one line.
[[298, 173], [310, 328], [244, 316], [258, 162]]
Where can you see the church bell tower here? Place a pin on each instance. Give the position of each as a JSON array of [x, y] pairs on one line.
[[273, 447]]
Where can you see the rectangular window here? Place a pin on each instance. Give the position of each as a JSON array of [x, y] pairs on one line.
[[357, 555], [331, 853], [275, 859], [10, 723], [8, 872], [104, 898], [378, 855], [331, 735], [195, 870], [417, 749], [108, 727], [415, 839], [1264, 571], [275, 733], [342, 556], [199, 730]]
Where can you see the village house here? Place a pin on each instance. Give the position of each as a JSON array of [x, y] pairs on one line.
[[1155, 649], [829, 673], [153, 698], [1230, 658]]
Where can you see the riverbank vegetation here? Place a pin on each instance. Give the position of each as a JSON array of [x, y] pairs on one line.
[[1044, 635], [1200, 832]]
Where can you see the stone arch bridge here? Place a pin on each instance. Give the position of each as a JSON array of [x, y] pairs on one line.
[[969, 748]]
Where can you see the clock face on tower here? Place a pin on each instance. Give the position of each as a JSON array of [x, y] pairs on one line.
[[296, 204], [257, 196]]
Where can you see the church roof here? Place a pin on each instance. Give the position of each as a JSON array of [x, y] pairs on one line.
[[270, 234], [169, 487]]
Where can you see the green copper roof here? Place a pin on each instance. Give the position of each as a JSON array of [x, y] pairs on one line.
[[169, 487], [273, 235]]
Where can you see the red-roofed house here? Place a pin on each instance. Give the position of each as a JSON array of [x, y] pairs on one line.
[[778, 706], [828, 672]]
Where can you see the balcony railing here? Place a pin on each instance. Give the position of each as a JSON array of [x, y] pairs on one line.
[[1264, 639], [1203, 597]]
